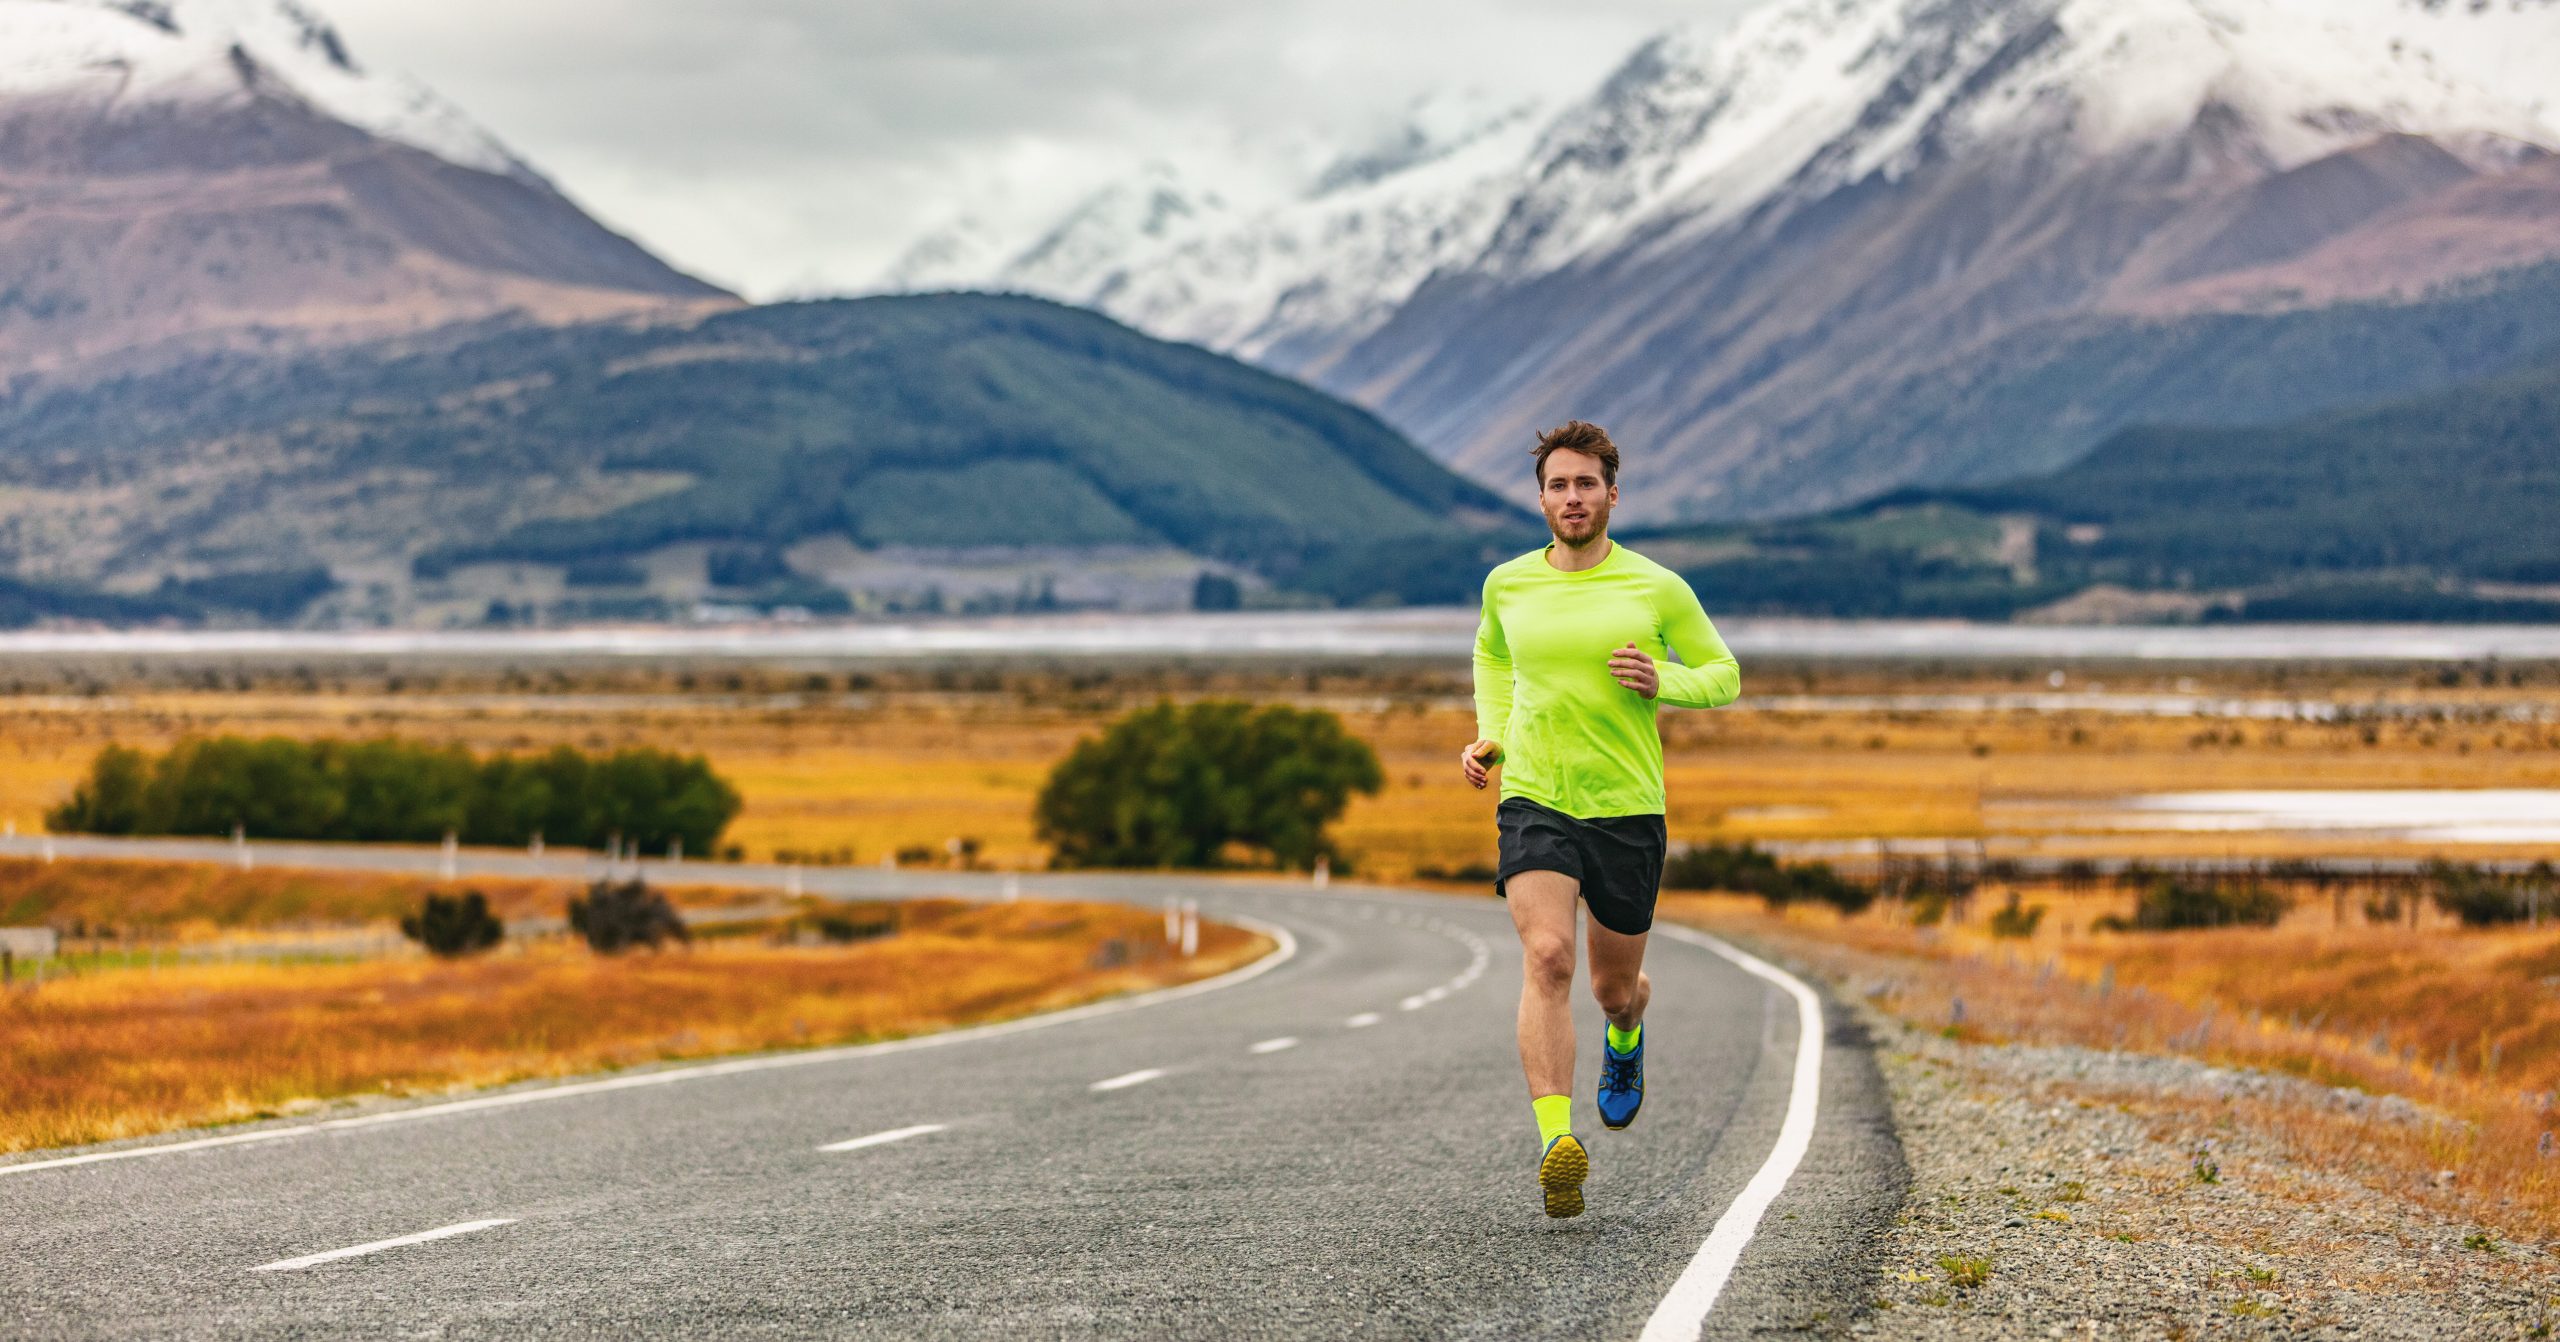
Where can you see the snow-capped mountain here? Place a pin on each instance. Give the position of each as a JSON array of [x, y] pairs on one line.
[[184, 174], [136, 55], [1744, 237]]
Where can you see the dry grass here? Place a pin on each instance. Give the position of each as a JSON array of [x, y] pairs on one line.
[[114, 1055], [876, 773], [2369, 1009], [193, 901]]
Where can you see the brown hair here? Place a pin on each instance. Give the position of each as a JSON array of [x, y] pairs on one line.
[[1578, 436]]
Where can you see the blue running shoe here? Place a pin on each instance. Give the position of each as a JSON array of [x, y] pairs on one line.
[[1621, 1083], [1561, 1171]]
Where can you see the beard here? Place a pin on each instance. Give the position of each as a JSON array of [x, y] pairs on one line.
[[1582, 532]]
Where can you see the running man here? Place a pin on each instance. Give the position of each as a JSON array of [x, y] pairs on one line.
[[1568, 670]]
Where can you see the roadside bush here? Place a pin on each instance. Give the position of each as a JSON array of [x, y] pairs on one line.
[[1748, 870], [617, 915], [389, 791], [2483, 898], [2009, 920], [2169, 905], [451, 926], [1176, 786]]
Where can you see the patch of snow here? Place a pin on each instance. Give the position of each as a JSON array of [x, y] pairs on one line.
[[1704, 126], [133, 53]]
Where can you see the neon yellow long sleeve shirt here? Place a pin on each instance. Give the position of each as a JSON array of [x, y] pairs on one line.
[[1572, 737]]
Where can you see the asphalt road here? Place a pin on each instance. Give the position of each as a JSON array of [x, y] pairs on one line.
[[1334, 1143]]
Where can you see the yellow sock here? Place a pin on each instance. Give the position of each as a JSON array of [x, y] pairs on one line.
[[1625, 1040], [1555, 1117]]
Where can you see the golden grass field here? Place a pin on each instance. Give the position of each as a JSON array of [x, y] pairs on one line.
[[105, 1055], [203, 901], [871, 773], [2463, 1022]]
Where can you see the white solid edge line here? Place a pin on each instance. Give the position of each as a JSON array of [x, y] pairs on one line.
[[1286, 949], [1126, 1079], [884, 1138], [1683, 1312], [1275, 1045], [358, 1250]]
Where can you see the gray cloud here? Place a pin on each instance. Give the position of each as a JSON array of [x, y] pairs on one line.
[[785, 145]]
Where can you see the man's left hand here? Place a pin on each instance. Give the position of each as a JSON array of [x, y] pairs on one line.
[[1633, 668]]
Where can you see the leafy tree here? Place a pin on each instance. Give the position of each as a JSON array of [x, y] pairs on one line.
[[1174, 786], [617, 916], [111, 801], [451, 926], [401, 792]]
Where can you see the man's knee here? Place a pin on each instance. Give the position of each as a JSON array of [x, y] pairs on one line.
[[1616, 993], [1547, 963]]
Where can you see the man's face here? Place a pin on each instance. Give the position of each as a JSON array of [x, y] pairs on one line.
[[1574, 497]]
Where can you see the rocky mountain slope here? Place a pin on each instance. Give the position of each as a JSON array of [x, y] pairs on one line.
[[182, 175], [1782, 258]]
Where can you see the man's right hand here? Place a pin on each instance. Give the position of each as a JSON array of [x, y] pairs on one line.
[[1476, 759]]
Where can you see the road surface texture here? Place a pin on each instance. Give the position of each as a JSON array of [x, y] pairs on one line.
[[1333, 1143]]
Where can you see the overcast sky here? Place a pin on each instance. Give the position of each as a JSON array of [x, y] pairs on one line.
[[790, 146]]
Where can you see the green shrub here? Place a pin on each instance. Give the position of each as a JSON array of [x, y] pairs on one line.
[[1746, 869], [2009, 920], [616, 916], [1176, 786], [2168, 905], [2482, 898], [451, 926]]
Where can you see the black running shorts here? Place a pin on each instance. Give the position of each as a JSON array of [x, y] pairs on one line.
[[1617, 858]]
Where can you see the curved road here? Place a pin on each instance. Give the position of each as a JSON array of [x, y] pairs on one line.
[[1331, 1144]]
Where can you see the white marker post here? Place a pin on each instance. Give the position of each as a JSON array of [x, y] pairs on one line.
[[1323, 873], [791, 881], [675, 851], [1190, 927], [1172, 921], [1012, 888], [48, 850], [534, 849], [452, 846]]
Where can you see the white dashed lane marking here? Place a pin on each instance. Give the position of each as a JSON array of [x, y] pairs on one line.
[[1127, 1079], [884, 1138], [1275, 1045], [1365, 1018], [359, 1250]]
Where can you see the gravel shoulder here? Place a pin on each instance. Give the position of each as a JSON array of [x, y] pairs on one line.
[[2061, 1192]]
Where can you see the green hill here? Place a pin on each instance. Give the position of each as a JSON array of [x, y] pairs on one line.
[[2436, 507], [619, 469]]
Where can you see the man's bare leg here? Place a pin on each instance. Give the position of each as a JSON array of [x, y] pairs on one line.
[[1543, 904], [1618, 980], [1543, 908]]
